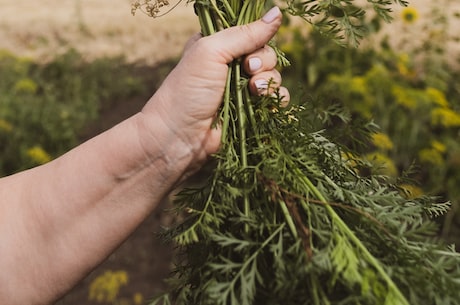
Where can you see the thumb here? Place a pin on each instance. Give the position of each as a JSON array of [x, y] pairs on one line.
[[238, 41]]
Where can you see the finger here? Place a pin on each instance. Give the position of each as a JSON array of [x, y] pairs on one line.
[[263, 59], [265, 82], [238, 41]]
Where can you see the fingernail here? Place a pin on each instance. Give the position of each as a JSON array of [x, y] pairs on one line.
[[255, 64], [271, 15], [261, 84]]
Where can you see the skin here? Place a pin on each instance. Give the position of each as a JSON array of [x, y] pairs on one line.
[[60, 220]]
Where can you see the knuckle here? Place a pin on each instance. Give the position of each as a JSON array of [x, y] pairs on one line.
[[251, 35]]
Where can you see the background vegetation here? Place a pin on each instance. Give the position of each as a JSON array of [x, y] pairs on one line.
[[411, 90], [45, 107]]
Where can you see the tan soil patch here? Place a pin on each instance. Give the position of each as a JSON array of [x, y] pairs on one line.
[[42, 28]]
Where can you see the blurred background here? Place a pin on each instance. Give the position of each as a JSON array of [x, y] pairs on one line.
[[70, 69]]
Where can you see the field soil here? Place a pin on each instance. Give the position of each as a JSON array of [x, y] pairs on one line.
[[42, 29]]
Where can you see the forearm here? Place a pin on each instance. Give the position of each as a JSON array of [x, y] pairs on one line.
[[63, 218]]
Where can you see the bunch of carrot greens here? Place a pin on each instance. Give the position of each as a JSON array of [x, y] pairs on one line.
[[286, 218]]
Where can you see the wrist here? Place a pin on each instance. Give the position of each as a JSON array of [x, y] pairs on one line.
[[166, 147]]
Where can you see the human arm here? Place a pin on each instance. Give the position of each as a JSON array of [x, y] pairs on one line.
[[59, 220]]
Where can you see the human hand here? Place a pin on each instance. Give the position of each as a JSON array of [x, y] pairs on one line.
[[188, 99]]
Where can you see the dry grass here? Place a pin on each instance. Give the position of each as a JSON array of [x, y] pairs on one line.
[[42, 28]]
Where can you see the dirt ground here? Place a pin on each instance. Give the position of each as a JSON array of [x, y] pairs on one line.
[[40, 29]]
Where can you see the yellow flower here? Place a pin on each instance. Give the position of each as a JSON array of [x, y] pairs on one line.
[[404, 67], [64, 115], [358, 85], [356, 88], [383, 164], [409, 15], [26, 85], [431, 156], [382, 141], [438, 146], [5, 126], [437, 97], [403, 97], [445, 117], [350, 161], [105, 288], [22, 65], [138, 298], [411, 191], [38, 155]]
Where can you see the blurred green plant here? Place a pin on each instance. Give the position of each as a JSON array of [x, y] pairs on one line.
[[44, 106], [409, 90]]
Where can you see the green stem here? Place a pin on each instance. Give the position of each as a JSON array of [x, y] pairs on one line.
[[243, 16], [241, 113], [306, 208], [314, 290], [226, 105], [219, 14], [251, 115], [370, 258], [351, 235], [254, 255], [192, 229], [241, 130], [250, 11], [289, 219], [206, 20]]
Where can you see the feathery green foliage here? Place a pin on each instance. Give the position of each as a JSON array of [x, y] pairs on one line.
[[287, 216]]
